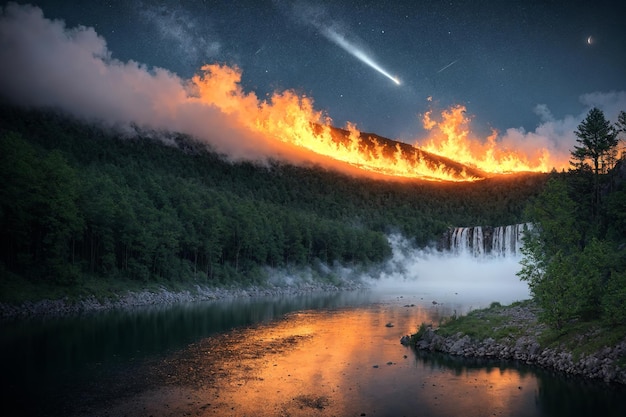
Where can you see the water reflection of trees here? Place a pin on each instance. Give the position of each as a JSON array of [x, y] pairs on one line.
[[461, 365], [44, 348], [574, 396], [556, 394]]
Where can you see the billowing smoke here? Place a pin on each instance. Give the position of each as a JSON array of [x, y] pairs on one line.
[[45, 64], [557, 135]]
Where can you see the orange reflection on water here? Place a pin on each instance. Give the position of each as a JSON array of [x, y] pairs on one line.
[[325, 372], [476, 390], [349, 362]]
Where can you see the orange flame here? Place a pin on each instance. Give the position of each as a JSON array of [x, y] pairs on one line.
[[292, 121], [451, 139]]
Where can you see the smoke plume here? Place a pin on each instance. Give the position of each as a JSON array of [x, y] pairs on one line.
[[45, 64], [557, 135]]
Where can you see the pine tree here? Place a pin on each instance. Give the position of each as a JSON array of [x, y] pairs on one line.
[[598, 143]]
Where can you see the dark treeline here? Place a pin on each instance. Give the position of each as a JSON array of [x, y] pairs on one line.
[[575, 263], [77, 199]]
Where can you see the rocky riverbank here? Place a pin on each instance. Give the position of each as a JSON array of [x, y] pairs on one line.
[[161, 296], [516, 335]]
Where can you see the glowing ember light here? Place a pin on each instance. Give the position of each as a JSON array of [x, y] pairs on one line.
[[292, 122]]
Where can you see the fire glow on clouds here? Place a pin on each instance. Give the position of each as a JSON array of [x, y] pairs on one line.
[[45, 64]]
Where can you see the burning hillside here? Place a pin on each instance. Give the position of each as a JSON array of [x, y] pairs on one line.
[[398, 159], [81, 78], [450, 152]]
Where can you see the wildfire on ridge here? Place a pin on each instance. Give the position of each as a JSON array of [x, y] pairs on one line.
[[451, 139], [449, 154]]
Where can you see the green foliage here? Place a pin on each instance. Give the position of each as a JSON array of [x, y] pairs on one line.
[[39, 215], [554, 211], [615, 219], [583, 337], [614, 298], [570, 285], [574, 262], [598, 141], [556, 292], [421, 332], [546, 252], [565, 278]]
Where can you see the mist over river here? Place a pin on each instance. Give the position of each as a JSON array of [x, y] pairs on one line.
[[323, 354]]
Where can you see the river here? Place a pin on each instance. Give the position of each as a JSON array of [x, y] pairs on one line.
[[318, 354]]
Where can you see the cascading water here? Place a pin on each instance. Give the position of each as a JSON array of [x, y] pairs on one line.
[[479, 241], [478, 248]]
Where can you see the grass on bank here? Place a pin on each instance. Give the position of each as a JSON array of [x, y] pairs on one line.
[[483, 323], [491, 322], [577, 337]]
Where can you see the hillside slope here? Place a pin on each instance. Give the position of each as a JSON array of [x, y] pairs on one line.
[[78, 199], [389, 148]]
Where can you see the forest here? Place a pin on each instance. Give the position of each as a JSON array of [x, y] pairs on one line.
[[575, 262], [81, 200]]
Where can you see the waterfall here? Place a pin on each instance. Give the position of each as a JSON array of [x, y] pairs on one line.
[[480, 241], [478, 248], [460, 241]]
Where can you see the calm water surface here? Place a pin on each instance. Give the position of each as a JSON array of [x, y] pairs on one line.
[[320, 354]]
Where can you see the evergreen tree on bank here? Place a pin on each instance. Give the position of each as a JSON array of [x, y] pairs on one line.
[[597, 140]]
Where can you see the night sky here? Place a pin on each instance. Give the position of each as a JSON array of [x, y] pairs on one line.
[[513, 64]]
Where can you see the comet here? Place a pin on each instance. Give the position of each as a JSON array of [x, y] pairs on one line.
[[448, 66], [356, 52]]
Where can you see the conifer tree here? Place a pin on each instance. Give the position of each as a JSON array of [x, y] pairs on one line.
[[597, 140]]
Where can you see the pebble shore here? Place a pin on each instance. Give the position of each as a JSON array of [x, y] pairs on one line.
[[162, 296], [607, 363]]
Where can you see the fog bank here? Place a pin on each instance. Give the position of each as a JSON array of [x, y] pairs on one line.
[[447, 278]]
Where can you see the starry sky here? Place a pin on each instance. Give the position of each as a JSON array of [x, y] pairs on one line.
[[513, 64]]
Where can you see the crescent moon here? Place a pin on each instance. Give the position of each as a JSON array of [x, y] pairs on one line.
[[589, 40]]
